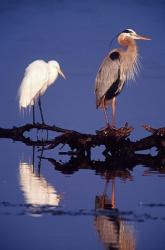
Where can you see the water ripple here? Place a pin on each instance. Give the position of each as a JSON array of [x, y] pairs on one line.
[[111, 214]]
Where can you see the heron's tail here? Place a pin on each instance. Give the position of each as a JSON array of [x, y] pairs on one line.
[[103, 103]]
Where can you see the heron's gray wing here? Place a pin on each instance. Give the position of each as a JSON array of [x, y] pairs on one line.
[[108, 73]]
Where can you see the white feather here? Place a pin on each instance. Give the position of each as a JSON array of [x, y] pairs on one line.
[[38, 76]]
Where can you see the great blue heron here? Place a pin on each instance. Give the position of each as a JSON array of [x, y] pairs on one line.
[[118, 66], [39, 75]]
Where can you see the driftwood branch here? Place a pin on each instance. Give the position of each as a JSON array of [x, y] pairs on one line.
[[119, 149]]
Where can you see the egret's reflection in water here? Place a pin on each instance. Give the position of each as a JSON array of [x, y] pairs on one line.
[[37, 191], [114, 232]]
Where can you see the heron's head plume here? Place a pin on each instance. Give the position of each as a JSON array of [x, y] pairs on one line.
[[130, 34]]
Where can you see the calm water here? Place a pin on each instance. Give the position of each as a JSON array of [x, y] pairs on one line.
[[47, 208]]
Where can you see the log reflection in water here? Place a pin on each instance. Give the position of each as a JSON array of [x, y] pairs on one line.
[[113, 165]]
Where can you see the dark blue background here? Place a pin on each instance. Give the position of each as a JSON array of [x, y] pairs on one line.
[[78, 35]]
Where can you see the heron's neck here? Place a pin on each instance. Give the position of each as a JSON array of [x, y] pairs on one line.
[[132, 50], [130, 59]]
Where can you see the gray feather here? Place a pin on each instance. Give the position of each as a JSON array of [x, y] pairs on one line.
[[107, 74]]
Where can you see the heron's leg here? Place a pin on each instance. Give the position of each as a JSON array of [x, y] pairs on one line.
[[105, 113], [113, 111], [39, 104], [106, 116], [33, 158], [113, 193], [33, 115]]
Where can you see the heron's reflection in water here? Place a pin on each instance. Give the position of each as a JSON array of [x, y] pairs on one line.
[[36, 189], [114, 232]]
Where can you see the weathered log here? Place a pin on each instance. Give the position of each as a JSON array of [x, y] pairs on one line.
[[116, 141]]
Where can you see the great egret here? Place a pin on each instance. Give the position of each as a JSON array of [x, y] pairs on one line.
[[39, 75], [118, 66]]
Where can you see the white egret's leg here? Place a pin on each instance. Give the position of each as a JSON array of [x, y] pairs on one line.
[[42, 118], [113, 111], [40, 160], [39, 104]]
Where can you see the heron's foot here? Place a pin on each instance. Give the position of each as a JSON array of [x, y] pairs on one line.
[[110, 130], [108, 127]]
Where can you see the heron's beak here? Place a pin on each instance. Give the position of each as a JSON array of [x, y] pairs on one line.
[[61, 73], [141, 37]]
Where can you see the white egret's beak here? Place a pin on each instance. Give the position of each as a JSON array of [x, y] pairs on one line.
[[61, 73], [141, 37]]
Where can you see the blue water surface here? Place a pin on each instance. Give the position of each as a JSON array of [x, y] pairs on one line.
[[54, 210]]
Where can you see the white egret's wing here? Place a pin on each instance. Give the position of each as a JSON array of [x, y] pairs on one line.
[[33, 83]]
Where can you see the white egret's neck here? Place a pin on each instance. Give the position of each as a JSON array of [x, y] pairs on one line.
[[53, 72]]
